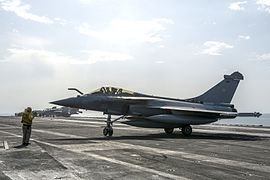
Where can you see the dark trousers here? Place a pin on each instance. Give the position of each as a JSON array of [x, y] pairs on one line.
[[26, 133]]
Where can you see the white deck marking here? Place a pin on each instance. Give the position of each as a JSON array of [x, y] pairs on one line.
[[120, 145], [232, 132], [7, 127], [238, 127], [57, 133], [43, 174]]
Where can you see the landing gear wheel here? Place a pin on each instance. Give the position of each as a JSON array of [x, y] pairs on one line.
[[186, 130], [105, 131], [168, 130], [108, 131]]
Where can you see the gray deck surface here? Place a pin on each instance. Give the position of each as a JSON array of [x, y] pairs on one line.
[[74, 148]]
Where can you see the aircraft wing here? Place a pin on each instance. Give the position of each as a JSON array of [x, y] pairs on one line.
[[196, 110], [183, 109]]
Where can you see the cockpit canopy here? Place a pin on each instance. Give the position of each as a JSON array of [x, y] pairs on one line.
[[113, 91]]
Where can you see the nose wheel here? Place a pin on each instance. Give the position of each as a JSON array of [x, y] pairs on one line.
[[108, 130]]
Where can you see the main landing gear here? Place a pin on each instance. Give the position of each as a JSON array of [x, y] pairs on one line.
[[168, 130], [108, 130], [186, 130]]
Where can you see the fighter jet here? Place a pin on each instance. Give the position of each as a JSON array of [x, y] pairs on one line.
[[54, 111], [148, 111]]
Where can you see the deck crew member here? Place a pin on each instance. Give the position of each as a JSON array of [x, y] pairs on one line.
[[27, 119]]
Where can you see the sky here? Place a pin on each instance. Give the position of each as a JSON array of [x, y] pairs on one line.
[[172, 48]]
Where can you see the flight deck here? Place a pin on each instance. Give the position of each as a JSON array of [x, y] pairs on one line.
[[75, 148]]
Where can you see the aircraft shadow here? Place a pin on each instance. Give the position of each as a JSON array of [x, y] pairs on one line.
[[163, 136]]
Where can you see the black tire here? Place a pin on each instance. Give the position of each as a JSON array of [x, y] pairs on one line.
[[110, 131], [105, 131], [168, 130], [186, 130]]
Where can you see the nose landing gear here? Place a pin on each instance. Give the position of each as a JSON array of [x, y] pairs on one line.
[[108, 130]]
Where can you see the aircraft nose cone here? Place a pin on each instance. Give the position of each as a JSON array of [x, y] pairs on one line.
[[69, 102]]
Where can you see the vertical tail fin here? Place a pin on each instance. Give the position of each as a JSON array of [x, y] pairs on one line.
[[222, 92]]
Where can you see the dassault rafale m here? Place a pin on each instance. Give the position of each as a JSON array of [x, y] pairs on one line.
[[148, 111], [57, 112], [54, 112]]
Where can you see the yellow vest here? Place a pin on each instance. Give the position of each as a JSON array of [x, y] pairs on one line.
[[27, 118]]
